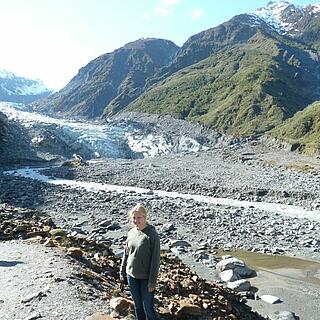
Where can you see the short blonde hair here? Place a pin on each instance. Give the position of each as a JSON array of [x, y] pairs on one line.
[[138, 208]]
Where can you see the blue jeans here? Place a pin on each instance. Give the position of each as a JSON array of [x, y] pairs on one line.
[[142, 298]]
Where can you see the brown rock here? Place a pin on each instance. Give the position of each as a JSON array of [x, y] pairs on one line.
[[188, 310], [121, 305], [50, 243], [75, 252]]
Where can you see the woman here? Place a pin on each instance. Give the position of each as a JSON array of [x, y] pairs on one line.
[[140, 263]]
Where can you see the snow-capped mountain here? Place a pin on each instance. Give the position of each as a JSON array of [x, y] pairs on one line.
[[285, 17], [14, 88]]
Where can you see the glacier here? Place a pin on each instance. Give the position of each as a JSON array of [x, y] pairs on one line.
[[94, 140]]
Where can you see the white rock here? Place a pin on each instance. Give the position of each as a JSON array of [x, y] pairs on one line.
[[229, 263], [270, 299], [229, 275], [239, 285], [283, 315]]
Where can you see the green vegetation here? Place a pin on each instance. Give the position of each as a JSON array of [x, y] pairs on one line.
[[244, 90], [302, 131]]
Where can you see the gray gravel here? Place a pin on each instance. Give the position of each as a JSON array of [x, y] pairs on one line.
[[245, 171], [39, 282]]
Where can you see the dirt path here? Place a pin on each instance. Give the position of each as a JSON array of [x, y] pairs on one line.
[[39, 282]]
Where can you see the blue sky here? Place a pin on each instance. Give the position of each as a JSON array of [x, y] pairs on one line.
[[52, 39]]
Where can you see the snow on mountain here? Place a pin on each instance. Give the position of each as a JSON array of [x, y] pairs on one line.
[[15, 88], [282, 16]]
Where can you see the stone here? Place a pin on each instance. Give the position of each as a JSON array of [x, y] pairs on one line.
[[75, 252], [57, 233], [121, 305], [244, 271], [50, 243], [270, 299], [99, 316], [188, 310], [33, 316], [283, 315], [167, 227], [239, 285], [179, 243], [229, 263], [33, 296], [229, 275]]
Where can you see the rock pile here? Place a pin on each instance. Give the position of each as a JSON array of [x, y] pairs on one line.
[[181, 294]]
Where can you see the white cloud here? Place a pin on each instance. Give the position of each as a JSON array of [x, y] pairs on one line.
[[196, 14], [163, 11], [165, 7]]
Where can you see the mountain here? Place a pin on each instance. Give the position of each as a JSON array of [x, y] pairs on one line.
[[302, 131], [244, 77], [302, 23], [18, 89], [110, 82]]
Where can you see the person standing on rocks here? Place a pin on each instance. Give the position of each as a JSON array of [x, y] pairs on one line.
[[140, 263]]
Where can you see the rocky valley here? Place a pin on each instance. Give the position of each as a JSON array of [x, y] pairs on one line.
[[218, 138]]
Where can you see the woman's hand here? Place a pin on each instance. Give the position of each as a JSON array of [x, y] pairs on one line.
[[150, 289]]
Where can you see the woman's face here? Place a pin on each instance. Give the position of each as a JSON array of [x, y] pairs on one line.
[[138, 220]]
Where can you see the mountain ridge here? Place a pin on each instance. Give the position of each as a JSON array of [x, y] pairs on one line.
[[18, 89], [266, 73], [110, 79]]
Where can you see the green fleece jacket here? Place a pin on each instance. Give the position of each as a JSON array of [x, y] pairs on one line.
[[141, 259]]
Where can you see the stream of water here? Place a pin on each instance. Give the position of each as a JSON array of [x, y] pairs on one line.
[[289, 210]]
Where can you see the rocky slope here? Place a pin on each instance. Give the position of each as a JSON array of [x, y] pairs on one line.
[[92, 272], [110, 82], [15, 143]]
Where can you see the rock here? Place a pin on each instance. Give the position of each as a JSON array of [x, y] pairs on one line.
[[99, 316], [188, 310], [121, 305], [283, 315], [179, 243], [75, 252], [239, 267], [105, 223], [229, 263], [50, 243], [167, 227], [239, 285], [57, 233], [244, 272], [33, 296], [270, 299], [33, 316], [229, 275]]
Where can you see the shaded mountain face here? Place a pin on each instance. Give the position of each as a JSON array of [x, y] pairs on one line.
[[15, 144], [19, 89], [3, 127], [110, 82]]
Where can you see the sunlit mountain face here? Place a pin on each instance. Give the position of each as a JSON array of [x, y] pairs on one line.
[[18, 89]]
